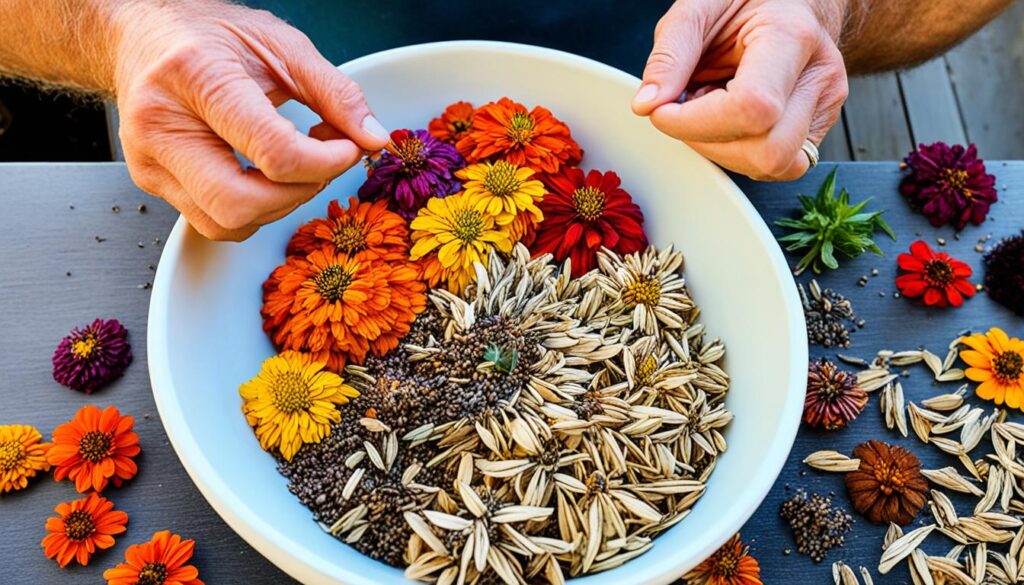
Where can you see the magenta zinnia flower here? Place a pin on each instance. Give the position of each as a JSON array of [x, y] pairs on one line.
[[91, 357], [414, 167], [948, 184]]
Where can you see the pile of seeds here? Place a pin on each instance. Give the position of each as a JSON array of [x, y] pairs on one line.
[[817, 526], [536, 427], [828, 314]]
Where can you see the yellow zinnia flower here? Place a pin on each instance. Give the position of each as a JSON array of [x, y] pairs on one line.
[[459, 233], [506, 192], [997, 362], [22, 455], [292, 402]]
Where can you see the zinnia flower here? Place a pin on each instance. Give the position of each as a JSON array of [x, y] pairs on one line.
[[81, 528], [458, 232], [937, 278], [833, 398], [584, 214], [22, 456], [94, 448], [997, 362], [453, 124], [91, 357], [1004, 273], [948, 184], [507, 192], [362, 230], [415, 167], [731, 565], [888, 486], [337, 308], [161, 561], [507, 130], [292, 401]]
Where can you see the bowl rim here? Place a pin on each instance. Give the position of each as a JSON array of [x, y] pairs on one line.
[[288, 554]]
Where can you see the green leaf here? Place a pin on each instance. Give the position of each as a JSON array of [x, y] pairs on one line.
[[504, 360]]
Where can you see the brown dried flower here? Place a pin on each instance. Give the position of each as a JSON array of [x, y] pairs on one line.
[[833, 397], [889, 486]]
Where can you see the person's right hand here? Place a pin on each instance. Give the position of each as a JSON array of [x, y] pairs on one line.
[[196, 81]]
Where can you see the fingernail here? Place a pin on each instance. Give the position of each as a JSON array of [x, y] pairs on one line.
[[648, 92], [373, 126]]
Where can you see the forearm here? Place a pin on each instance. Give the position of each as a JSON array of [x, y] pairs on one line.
[[879, 35]]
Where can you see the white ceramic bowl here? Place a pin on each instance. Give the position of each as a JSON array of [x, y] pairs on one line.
[[205, 335]]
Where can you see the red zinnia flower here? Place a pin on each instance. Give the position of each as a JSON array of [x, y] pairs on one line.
[[937, 277], [582, 214], [94, 448]]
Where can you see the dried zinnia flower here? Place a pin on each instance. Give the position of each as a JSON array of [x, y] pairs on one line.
[[888, 486], [647, 290], [996, 361], [948, 184], [833, 398], [93, 356], [938, 279], [22, 456], [337, 308], [507, 192], [95, 448], [507, 130], [161, 561], [730, 565], [414, 167], [584, 213], [453, 124], [450, 234], [292, 401], [1004, 273], [81, 528], [362, 230]]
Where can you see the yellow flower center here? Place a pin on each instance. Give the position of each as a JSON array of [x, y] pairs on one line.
[[152, 574], [410, 151], [95, 446], [350, 237], [501, 179], [291, 392], [85, 347], [1008, 366], [889, 476], [589, 202], [645, 370], [727, 564], [78, 525], [645, 290], [520, 127], [938, 272], [12, 453], [332, 282], [957, 180], [467, 225]]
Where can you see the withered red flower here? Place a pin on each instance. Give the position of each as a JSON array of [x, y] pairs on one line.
[[1004, 273], [833, 398], [936, 278], [948, 184], [888, 486]]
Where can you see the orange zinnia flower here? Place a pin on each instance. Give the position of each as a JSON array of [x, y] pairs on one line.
[[95, 448], [363, 230], [731, 565], [532, 138], [81, 528], [338, 308], [161, 561], [22, 456], [997, 362], [453, 124]]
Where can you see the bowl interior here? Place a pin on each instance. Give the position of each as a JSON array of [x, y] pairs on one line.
[[205, 335]]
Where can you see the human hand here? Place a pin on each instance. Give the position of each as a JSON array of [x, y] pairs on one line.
[[197, 80], [761, 76]]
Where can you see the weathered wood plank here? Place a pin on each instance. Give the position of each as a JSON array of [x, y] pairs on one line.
[[988, 76], [931, 104], [875, 119], [836, 146]]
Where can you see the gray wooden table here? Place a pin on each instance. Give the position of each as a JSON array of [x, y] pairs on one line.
[[67, 257]]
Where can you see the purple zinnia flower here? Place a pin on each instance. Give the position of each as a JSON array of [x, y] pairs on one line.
[[414, 167], [948, 184], [91, 357], [1004, 273]]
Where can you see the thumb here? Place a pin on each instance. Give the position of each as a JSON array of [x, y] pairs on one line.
[[678, 44]]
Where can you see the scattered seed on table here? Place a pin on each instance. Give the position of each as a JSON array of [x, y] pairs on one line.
[[67, 273], [874, 272], [941, 241], [99, 239], [881, 294], [979, 248], [141, 208], [895, 295], [141, 245], [115, 209]]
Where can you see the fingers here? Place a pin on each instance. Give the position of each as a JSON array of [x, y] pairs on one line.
[[678, 44], [755, 100]]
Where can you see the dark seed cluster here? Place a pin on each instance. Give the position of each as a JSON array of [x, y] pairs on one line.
[[817, 526], [829, 318]]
